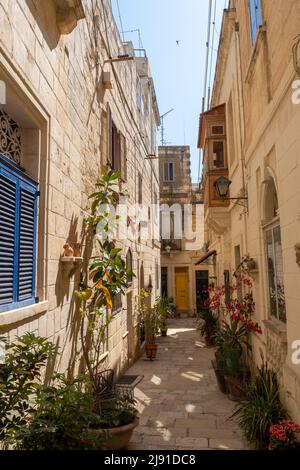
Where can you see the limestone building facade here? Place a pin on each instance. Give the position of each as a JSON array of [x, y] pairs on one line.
[[181, 209], [255, 113], [78, 101]]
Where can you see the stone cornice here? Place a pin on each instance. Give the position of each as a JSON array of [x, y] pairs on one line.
[[225, 38], [68, 13]]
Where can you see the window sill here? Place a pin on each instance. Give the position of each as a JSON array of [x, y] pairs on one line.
[[276, 326], [20, 314]]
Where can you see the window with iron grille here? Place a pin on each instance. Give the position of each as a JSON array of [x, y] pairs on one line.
[[18, 223]]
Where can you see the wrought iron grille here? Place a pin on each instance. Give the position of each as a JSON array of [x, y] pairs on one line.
[[10, 137]]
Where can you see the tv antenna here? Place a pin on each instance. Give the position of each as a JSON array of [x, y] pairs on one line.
[[162, 127]]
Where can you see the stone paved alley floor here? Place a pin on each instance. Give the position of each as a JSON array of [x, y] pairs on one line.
[[179, 401]]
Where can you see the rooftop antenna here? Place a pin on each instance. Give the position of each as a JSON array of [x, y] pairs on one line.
[[162, 127], [139, 36]]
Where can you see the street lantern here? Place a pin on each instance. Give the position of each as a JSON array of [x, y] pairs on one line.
[[222, 186]]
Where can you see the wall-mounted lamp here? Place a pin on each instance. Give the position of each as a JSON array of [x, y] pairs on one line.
[[168, 249], [222, 185]]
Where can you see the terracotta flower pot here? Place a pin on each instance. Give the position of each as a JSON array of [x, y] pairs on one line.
[[151, 350], [208, 341], [119, 438], [219, 373]]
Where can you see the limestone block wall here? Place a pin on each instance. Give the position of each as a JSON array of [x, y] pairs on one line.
[[255, 81], [54, 88]]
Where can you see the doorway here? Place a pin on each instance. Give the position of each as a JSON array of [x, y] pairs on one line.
[[182, 289], [164, 282], [201, 289]]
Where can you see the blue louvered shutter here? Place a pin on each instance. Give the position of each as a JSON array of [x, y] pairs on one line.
[[18, 221], [8, 205], [27, 235]]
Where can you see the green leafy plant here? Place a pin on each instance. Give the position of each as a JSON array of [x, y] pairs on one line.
[[163, 310], [147, 316], [122, 411], [261, 409], [107, 275], [61, 420], [19, 377], [208, 326]]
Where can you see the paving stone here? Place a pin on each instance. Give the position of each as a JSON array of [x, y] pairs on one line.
[[181, 406], [192, 443], [226, 444]]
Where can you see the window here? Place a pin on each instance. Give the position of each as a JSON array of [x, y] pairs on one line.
[[140, 188], [115, 148], [129, 267], [169, 171], [217, 130], [164, 281], [275, 273], [230, 131], [218, 154], [255, 17], [117, 302], [156, 276], [18, 221]]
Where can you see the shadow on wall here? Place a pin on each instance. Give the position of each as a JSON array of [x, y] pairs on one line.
[[44, 13], [66, 278]]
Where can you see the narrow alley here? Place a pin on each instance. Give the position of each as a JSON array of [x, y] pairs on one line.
[[178, 399]]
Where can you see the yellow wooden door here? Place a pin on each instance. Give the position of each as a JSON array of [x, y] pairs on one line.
[[182, 291]]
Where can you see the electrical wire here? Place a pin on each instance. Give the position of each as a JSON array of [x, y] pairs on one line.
[[211, 56], [120, 18]]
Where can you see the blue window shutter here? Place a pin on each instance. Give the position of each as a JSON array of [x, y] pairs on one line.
[[8, 229], [18, 224], [27, 241]]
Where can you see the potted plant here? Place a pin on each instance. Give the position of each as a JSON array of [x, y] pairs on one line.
[[62, 419], [261, 408], [283, 435], [232, 339], [208, 325], [118, 422], [106, 277], [20, 374], [149, 318], [163, 310]]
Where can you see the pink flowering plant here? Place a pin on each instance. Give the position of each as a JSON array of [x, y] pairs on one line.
[[238, 310], [283, 435]]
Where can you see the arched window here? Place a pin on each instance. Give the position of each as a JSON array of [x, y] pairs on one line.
[[129, 267], [274, 258]]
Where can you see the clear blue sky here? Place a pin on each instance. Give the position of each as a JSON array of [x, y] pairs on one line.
[[178, 70]]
